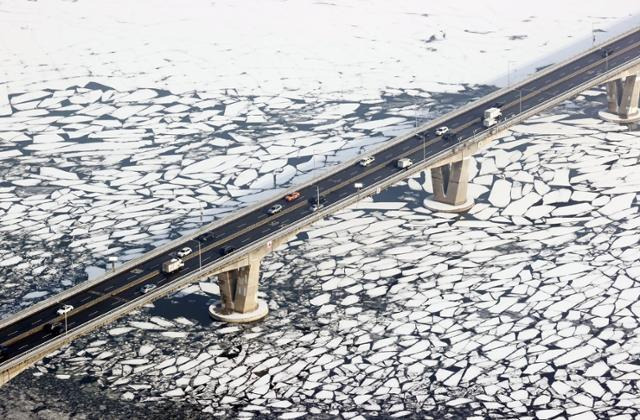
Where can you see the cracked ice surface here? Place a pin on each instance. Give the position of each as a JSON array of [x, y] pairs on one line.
[[389, 309], [525, 305]]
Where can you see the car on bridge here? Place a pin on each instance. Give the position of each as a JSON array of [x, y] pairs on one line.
[[442, 130], [174, 264], [206, 237], [450, 137], [226, 250], [147, 288], [56, 328], [367, 161], [293, 196], [276, 208], [317, 203], [404, 163], [607, 52], [65, 309], [184, 252]]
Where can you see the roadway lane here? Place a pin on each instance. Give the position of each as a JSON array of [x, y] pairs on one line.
[[115, 291]]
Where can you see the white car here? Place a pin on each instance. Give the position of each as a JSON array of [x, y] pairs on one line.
[[184, 252], [442, 130], [65, 309], [367, 161], [276, 208]]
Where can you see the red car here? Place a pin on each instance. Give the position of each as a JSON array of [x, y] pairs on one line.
[[293, 196]]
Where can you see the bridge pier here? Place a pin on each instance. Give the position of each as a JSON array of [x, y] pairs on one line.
[[623, 95], [239, 294], [450, 183], [238, 282]]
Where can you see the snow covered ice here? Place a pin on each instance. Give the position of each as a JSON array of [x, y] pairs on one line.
[[526, 305]]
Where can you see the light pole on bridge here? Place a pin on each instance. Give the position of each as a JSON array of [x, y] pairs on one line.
[[509, 62]]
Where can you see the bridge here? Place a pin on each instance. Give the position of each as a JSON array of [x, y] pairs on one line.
[[232, 248]]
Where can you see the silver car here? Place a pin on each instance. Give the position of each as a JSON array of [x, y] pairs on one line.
[[147, 288], [442, 130], [276, 208], [184, 252]]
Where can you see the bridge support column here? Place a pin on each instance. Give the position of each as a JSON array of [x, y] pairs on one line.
[[239, 294], [450, 183], [622, 96], [238, 282]]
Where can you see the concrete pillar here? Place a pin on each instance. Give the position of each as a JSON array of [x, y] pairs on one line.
[[239, 293], [623, 95], [630, 96], [227, 285], [246, 298], [614, 88], [450, 183]]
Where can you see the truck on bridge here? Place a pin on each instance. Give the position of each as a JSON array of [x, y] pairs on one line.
[[491, 116], [172, 265]]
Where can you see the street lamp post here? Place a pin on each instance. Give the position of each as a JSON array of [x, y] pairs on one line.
[[65, 323], [199, 254], [520, 92], [509, 72]]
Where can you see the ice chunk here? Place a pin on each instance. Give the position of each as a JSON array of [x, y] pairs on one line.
[[567, 269], [10, 261], [500, 193], [57, 173], [375, 124], [618, 203], [145, 349], [320, 300], [119, 331], [34, 295], [519, 207]]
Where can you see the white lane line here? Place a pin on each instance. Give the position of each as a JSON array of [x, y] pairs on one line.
[[12, 333], [93, 313], [36, 321]]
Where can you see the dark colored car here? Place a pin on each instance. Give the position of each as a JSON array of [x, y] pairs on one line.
[[314, 200], [205, 237], [450, 137], [226, 250], [498, 105], [607, 52], [56, 327]]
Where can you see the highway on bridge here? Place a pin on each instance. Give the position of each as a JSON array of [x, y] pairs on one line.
[[29, 332]]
